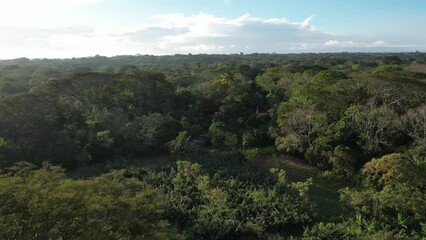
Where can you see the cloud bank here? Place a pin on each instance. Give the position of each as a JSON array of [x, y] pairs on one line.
[[178, 33]]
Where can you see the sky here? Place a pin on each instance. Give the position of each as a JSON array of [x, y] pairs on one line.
[[79, 28]]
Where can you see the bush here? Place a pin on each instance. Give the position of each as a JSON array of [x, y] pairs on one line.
[[251, 154]]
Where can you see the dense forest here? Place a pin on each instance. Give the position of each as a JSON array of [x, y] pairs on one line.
[[257, 146]]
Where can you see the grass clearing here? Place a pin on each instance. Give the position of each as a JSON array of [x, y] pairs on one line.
[[324, 192]]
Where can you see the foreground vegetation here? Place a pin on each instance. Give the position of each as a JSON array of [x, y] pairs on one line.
[[102, 148]]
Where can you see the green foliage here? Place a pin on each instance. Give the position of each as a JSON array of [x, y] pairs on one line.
[[390, 170], [353, 229], [251, 154], [414, 124], [156, 130], [329, 77], [2, 142], [290, 143], [251, 138], [254, 153], [376, 127], [392, 190], [180, 147], [299, 125], [390, 59], [327, 231], [343, 161], [268, 80], [227, 206], [385, 69], [220, 137], [275, 82], [44, 204]]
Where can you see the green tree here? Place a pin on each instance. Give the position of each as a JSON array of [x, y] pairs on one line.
[[343, 161], [392, 188], [44, 204], [376, 127]]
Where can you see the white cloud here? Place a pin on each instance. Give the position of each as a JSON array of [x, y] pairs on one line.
[[242, 33], [379, 43], [306, 24], [337, 43], [178, 33]]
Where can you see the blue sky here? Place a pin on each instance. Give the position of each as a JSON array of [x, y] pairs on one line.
[[75, 28]]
